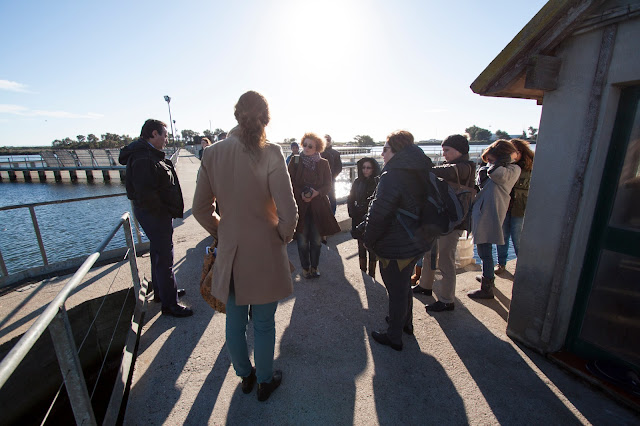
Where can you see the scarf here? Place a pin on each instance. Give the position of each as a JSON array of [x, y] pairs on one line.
[[310, 161]]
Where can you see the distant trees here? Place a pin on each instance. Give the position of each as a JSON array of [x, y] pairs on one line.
[[289, 140], [533, 133], [91, 141], [364, 140], [478, 133], [501, 134], [189, 135]]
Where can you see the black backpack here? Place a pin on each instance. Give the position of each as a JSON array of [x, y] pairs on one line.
[[443, 209]]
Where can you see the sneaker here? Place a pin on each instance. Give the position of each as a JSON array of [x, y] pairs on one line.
[[314, 273], [439, 307], [306, 273], [499, 269]]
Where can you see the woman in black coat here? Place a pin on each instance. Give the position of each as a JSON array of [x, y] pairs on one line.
[[358, 204], [402, 186]]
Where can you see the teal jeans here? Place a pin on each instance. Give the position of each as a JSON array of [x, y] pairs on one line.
[[264, 331]]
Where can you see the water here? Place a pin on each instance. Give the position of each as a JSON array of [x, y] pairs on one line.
[[68, 230]]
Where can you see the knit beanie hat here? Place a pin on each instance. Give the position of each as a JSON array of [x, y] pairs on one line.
[[457, 142]]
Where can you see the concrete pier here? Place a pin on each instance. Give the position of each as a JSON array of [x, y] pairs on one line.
[[458, 368]]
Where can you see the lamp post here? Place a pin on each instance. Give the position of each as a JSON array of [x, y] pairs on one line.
[[173, 136]]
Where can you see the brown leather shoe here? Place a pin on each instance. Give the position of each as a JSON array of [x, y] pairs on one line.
[[499, 269]]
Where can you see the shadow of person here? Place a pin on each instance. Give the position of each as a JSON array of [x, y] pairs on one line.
[[158, 389], [410, 387], [321, 352], [202, 407], [507, 383]]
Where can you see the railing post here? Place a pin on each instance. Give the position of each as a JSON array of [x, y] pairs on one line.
[[67, 354], [136, 224], [3, 267], [133, 262], [38, 236]]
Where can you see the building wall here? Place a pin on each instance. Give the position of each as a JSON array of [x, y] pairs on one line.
[[537, 304]]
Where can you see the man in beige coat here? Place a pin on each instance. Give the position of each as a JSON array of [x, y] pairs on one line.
[[258, 215]]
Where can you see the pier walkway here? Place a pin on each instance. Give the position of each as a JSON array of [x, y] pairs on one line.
[[459, 368]]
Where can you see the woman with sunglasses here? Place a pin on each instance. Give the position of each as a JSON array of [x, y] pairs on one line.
[[358, 203], [311, 181]]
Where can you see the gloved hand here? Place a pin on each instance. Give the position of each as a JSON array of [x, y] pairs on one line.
[[483, 176]]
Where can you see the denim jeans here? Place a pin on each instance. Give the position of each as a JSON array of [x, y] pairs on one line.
[[485, 253], [264, 332], [309, 243], [511, 228]]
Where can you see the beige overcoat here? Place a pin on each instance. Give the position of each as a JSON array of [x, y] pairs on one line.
[[258, 216]]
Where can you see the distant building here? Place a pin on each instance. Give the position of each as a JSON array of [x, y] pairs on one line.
[[577, 283]]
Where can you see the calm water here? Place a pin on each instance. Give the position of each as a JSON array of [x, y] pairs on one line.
[[75, 229], [68, 230]]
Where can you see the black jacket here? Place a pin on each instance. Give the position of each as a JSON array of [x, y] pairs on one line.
[[335, 163], [402, 185], [152, 183], [466, 171], [362, 191]]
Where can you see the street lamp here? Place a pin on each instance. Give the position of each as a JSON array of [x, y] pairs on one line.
[[168, 100]]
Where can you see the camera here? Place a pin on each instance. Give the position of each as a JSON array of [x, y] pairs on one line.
[[307, 192]]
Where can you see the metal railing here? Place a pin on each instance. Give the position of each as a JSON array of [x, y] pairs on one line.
[[55, 319], [36, 227]]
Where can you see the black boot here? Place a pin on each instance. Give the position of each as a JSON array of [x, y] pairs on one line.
[[485, 291]]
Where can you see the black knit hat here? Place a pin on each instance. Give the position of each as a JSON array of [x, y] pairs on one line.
[[457, 142]]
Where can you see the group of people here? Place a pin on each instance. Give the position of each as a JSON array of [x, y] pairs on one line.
[[254, 202]]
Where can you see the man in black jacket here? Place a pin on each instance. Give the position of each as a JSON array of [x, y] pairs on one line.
[[335, 165], [402, 186], [152, 184]]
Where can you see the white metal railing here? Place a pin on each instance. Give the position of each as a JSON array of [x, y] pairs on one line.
[[36, 227], [55, 319]]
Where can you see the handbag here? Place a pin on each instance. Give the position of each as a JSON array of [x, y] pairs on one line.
[[206, 278]]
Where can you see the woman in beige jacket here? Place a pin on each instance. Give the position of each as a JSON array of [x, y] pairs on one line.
[[248, 177]]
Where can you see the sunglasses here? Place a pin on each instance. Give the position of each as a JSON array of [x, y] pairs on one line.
[[307, 145], [366, 167], [386, 148]]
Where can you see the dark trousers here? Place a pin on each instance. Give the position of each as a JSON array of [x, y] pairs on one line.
[[332, 197], [159, 230], [398, 283]]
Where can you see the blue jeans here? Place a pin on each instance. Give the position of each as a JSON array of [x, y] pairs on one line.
[[485, 253], [264, 332], [309, 243], [512, 227]]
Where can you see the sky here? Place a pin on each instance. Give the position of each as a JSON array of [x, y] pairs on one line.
[[345, 67]]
